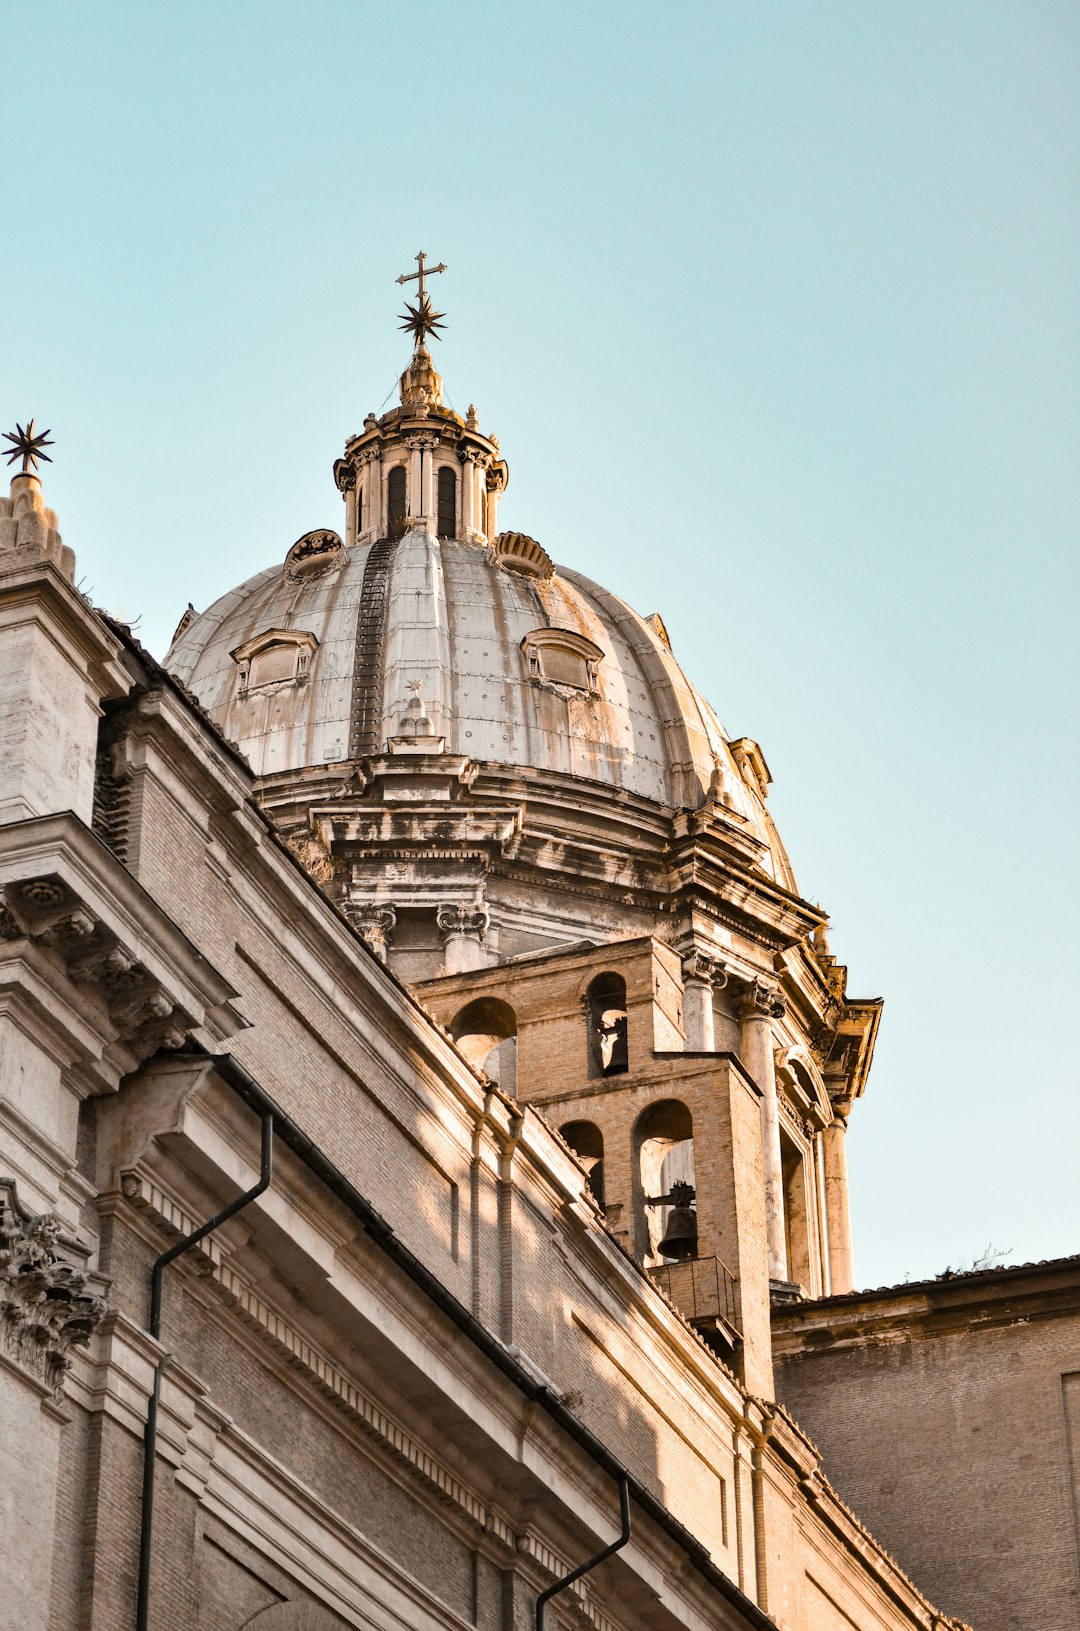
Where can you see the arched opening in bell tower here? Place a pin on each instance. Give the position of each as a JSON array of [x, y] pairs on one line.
[[587, 1142], [664, 1157], [485, 1031], [605, 1012]]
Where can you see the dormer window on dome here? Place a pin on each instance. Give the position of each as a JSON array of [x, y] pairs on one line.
[[562, 657], [274, 659]]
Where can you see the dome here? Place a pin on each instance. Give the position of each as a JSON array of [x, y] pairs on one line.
[[479, 755], [488, 647]]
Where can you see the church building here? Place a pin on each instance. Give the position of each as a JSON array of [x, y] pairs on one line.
[[422, 1125]]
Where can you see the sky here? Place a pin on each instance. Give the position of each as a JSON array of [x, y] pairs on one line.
[[774, 309]]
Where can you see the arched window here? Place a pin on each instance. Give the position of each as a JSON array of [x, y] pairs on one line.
[[395, 502], [605, 1012], [587, 1142], [486, 1033], [664, 1142], [447, 503]]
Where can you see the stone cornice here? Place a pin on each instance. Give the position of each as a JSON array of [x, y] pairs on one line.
[[65, 895], [28, 585], [951, 1303]]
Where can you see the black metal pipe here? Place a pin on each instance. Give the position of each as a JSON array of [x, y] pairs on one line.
[[290, 1133], [146, 1527], [584, 1568]]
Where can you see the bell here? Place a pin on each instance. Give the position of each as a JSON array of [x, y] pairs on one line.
[[680, 1241]]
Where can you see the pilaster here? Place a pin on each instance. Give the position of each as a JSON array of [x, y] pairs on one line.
[[760, 1004]]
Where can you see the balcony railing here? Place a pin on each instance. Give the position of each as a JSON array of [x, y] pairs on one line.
[[703, 1290]]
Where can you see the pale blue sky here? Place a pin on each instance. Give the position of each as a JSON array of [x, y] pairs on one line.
[[774, 309]]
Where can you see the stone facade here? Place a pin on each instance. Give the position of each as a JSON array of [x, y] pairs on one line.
[[951, 1409], [403, 1385], [497, 1252]]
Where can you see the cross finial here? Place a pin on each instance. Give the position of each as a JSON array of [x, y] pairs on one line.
[[421, 319], [27, 445]]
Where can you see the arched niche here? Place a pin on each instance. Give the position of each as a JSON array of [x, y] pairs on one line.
[[605, 1015], [486, 1033], [587, 1142], [664, 1155]]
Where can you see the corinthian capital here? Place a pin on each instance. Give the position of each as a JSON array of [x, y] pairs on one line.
[[46, 1307]]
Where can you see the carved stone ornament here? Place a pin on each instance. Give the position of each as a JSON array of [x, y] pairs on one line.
[[313, 554], [145, 1016], [313, 856], [519, 553], [375, 922], [345, 474], [462, 918], [761, 1000], [698, 965], [45, 1309]]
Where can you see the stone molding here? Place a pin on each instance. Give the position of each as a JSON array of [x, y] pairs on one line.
[[45, 1307]]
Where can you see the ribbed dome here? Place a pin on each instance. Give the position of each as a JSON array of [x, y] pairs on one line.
[[512, 662]]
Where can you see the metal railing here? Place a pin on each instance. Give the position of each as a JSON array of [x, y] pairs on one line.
[[702, 1289]]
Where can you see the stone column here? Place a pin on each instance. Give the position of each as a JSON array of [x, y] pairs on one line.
[[761, 1004], [822, 1214], [462, 926], [427, 482], [701, 975], [838, 1215], [468, 493], [371, 517], [414, 498]]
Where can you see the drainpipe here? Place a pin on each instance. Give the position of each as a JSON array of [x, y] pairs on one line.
[[146, 1529], [583, 1568]]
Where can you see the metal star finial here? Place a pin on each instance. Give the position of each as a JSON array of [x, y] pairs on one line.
[[27, 446], [422, 319]]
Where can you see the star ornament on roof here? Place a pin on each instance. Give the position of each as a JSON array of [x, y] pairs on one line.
[[27, 445], [422, 319]]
